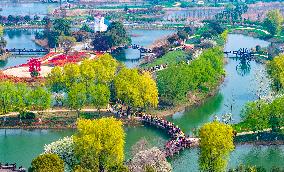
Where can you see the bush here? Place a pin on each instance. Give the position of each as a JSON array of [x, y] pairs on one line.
[[87, 115], [27, 115], [47, 163]]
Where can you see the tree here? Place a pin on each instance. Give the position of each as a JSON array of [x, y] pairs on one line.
[[3, 44], [22, 99], [273, 22], [62, 26], [1, 30], [216, 143], [47, 162], [118, 34], [55, 79], [64, 148], [105, 68], [77, 97], [276, 71], [27, 18], [182, 34], [102, 42], [256, 115], [153, 159], [136, 90], [7, 94], [99, 144], [66, 42], [52, 38], [40, 99], [71, 74], [86, 28], [99, 95]]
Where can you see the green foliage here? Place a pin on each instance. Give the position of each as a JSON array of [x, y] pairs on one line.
[[86, 28], [99, 95], [55, 79], [276, 71], [62, 26], [40, 99], [47, 163], [115, 36], [102, 42], [19, 98], [216, 143], [1, 30], [99, 144], [200, 76], [77, 96], [273, 22], [261, 115], [135, 89], [171, 58]]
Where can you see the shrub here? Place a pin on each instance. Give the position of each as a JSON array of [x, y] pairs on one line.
[[47, 163]]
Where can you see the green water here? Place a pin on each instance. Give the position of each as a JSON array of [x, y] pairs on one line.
[[239, 87]]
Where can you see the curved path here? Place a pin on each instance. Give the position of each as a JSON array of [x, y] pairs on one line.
[[179, 141]]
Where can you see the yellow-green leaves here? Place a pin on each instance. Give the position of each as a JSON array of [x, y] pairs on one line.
[[47, 162], [99, 144], [216, 143], [276, 70], [136, 89], [1, 30]]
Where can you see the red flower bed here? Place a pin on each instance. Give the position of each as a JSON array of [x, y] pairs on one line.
[[62, 59], [28, 80]]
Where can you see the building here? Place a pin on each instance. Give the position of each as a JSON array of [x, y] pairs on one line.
[[100, 24]]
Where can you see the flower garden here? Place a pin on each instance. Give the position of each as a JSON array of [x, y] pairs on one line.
[[37, 68]]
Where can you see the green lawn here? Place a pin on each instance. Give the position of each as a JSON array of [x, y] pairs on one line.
[[171, 58]]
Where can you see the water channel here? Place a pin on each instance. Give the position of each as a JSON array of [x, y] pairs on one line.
[[40, 9], [240, 86]]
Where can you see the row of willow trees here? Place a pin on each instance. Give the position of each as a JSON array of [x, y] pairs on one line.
[[92, 83]]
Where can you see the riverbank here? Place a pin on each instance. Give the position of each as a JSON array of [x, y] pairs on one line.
[[195, 101]]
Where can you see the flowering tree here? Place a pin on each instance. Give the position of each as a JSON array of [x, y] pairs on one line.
[[64, 148], [153, 159], [34, 67]]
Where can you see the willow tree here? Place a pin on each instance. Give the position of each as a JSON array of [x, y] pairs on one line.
[[99, 144], [55, 79], [137, 90], [105, 68], [77, 97], [99, 95], [71, 74], [216, 143]]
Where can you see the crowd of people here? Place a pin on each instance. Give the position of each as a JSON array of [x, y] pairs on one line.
[[156, 68], [178, 140]]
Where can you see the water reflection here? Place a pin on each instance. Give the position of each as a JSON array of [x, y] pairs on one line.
[[243, 68]]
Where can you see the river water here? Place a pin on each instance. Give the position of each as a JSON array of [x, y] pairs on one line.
[[40, 9], [241, 84]]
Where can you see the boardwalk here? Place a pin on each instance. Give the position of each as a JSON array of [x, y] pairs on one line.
[[179, 141], [26, 51]]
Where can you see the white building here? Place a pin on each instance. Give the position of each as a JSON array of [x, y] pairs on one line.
[[99, 25]]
